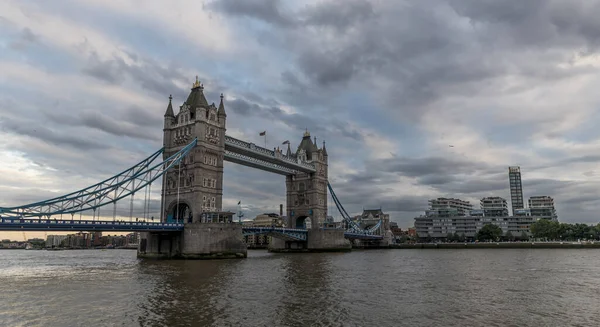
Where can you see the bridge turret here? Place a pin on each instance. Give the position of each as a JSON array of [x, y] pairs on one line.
[[221, 112], [169, 121]]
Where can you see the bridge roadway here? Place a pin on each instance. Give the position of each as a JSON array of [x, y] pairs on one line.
[[44, 225]]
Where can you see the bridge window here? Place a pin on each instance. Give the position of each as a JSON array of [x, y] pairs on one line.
[[307, 202], [301, 187]]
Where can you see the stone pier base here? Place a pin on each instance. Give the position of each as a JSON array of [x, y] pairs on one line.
[[318, 240], [159, 245], [385, 243], [197, 241]]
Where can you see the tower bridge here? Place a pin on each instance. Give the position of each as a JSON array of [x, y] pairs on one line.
[[192, 223]]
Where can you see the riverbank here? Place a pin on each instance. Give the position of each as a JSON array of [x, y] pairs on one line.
[[500, 245]]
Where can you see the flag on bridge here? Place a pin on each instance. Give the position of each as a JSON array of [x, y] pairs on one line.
[[262, 133], [239, 202], [286, 142]]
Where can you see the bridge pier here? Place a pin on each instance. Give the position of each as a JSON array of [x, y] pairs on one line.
[[317, 240], [197, 241], [159, 245], [385, 243]]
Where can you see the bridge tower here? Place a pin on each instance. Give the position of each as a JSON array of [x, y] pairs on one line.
[[197, 185], [306, 193]]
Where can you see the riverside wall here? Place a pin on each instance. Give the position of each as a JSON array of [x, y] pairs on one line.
[[500, 245]]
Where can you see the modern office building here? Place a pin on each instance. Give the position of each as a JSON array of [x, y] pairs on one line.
[[543, 207], [516, 188], [494, 206], [448, 207]]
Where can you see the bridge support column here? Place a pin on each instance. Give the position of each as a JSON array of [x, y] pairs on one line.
[[197, 241], [159, 245], [318, 240], [385, 243], [213, 241]]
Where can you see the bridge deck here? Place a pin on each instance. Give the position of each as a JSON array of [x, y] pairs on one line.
[[9, 224]]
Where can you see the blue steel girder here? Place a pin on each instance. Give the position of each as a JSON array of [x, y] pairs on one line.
[[10, 224], [108, 191], [253, 162], [292, 234], [251, 150]]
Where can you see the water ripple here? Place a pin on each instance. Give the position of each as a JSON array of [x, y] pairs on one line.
[[383, 288]]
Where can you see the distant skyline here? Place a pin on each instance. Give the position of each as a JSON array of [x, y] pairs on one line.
[[416, 100]]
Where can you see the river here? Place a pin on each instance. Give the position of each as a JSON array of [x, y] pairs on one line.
[[492, 287]]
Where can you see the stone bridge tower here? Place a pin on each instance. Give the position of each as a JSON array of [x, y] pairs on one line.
[[198, 183], [306, 193]]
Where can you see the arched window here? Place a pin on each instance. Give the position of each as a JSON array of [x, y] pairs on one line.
[[301, 187]]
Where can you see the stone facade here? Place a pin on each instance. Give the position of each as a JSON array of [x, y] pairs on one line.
[[306, 193], [198, 181]]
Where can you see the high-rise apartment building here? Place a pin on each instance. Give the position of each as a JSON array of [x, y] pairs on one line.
[[449, 207], [542, 206], [516, 188], [494, 206]]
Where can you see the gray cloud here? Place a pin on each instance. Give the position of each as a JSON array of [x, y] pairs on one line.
[[47, 135], [24, 39], [267, 10], [147, 73], [135, 123]]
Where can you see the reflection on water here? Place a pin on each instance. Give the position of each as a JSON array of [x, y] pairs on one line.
[[384, 287]]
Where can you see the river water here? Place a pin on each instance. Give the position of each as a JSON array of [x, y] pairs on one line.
[[492, 287]]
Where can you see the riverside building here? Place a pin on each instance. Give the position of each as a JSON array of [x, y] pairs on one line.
[[440, 226], [516, 188], [494, 206], [448, 207], [543, 206]]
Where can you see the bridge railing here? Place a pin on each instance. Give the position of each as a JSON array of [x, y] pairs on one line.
[[257, 161], [86, 222]]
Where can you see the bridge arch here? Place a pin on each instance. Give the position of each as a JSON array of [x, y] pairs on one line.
[[303, 222], [182, 213]]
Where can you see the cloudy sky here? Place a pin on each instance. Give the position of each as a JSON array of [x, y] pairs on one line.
[[390, 85]]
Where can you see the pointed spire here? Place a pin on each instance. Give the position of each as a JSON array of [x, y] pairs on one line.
[[196, 97], [324, 149], [169, 112], [221, 111], [289, 151]]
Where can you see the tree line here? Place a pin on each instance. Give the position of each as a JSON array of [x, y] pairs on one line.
[[555, 231]]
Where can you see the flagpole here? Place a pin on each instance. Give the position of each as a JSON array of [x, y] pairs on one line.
[[265, 140]]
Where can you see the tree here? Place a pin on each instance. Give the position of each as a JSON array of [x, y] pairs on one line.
[[524, 236], [544, 228], [489, 232], [509, 236], [450, 237]]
